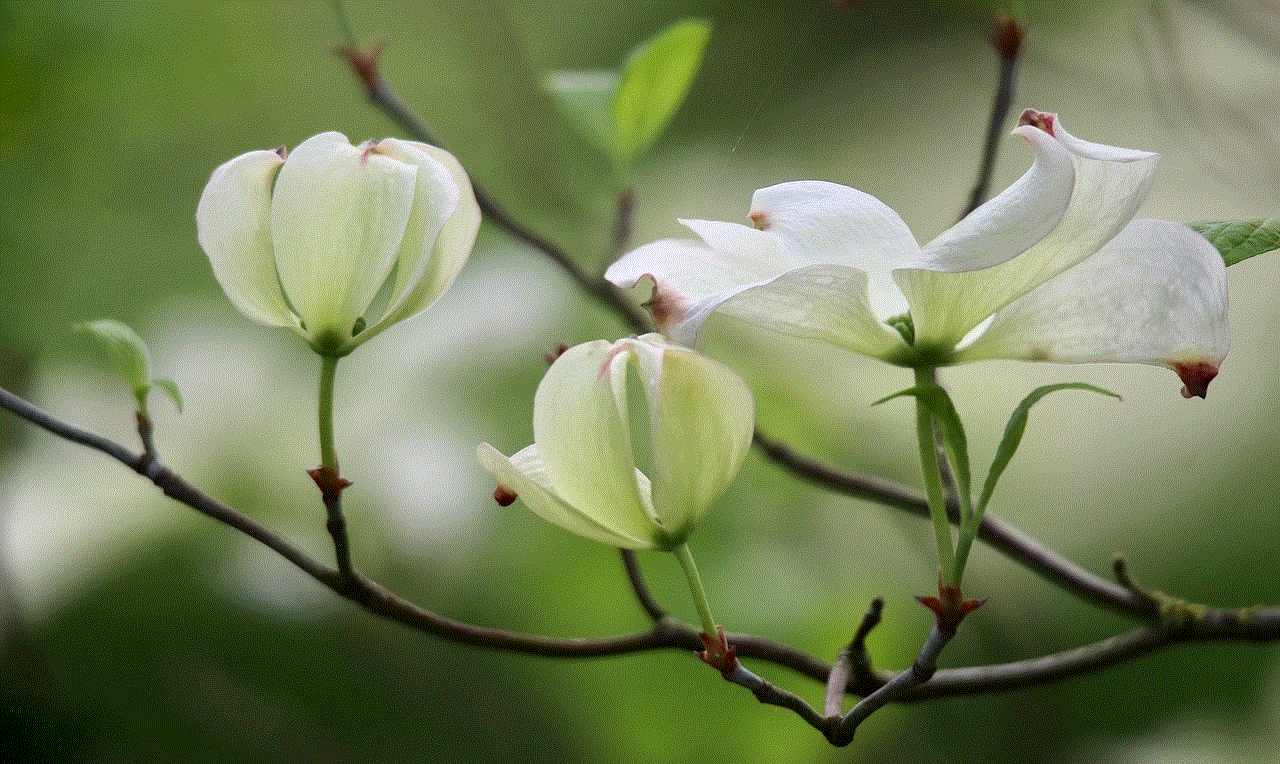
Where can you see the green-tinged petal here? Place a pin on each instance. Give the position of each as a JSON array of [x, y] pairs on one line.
[[1156, 294], [338, 218], [524, 474], [440, 234], [581, 426], [701, 424], [1110, 184], [233, 225], [127, 351]]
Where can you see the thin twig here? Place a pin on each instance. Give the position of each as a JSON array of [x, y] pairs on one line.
[[1191, 624], [921, 671], [773, 695], [640, 588], [1007, 40], [365, 64]]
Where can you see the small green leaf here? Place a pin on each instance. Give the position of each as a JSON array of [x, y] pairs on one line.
[[131, 358], [655, 79], [1013, 435], [586, 99], [1240, 239], [171, 389], [126, 349]]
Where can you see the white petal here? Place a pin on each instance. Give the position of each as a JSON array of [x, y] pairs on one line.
[[820, 222], [440, 234], [580, 425], [1110, 183], [233, 226], [337, 221], [822, 302], [1156, 294], [700, 428], [800, 224], [524, 475], [730, 258], [1010, 223]]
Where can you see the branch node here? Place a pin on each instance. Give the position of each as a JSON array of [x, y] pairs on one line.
[[718, 653], [1153, 598], [1172, 613], [852, 661], [950, 607]]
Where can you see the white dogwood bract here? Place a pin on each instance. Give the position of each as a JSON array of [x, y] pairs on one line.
[[581, 471], [1055, 263], [334, 241]]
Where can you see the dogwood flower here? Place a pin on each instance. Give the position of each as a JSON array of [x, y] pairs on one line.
[[581, 471], [337, 242], [1052, 269]]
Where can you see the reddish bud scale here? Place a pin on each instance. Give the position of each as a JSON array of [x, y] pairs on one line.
[[551, 356], [504, 496], [950, 607], [364, 63], [717, 653], [330, 485]]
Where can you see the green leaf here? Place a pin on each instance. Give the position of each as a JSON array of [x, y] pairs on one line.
[[126, 349], [1013, 435], [1240, 239], [938, 402], [171, 389], [586, 99], [655, 79], [131, 358]]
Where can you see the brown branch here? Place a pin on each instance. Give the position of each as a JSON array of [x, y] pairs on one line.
[[1007, 40], [1172, 621], [1176, 621], [640, 588]]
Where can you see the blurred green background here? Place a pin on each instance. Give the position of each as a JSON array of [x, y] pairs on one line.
[[135, 630]]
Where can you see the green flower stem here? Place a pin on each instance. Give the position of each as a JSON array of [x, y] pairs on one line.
[[326, 476], [933, 478], [328, 454], [685, 557]]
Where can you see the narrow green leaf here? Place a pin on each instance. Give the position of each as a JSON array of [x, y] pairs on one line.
[[1013, 435], [586, 99], [938, 402], [655, 79], [1239, 240], [126, 349], [171, 389]]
